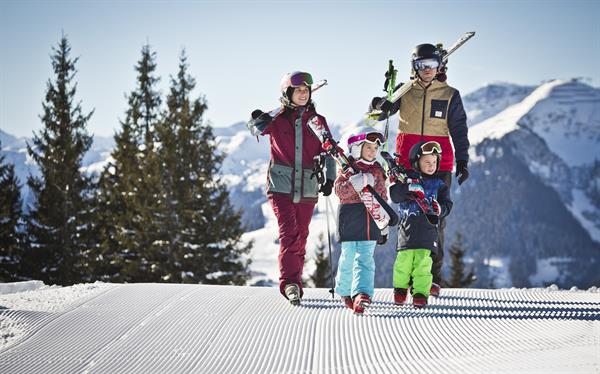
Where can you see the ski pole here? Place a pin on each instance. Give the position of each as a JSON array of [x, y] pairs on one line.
[[332, 289]]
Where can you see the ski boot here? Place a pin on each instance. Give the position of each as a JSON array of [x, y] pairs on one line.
[[400, 295], [347, 300], [361, 301], [419, 300], [435, 290], [292, 292]]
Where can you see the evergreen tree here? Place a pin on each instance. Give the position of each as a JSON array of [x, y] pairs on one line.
[[321, 276], [148, 196], [59, 223], [200, 233], [458, 279], [118, 253], [12, 239], [130, 187]]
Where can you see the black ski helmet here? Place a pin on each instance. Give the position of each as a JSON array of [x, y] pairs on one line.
[[425, 51], [417, 150]]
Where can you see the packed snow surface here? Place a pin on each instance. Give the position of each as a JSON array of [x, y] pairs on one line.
[[168, 328]]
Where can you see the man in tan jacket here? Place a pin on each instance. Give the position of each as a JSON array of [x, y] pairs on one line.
[[431, 111]]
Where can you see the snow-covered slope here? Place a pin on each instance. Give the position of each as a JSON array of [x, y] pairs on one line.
[[167, 328], [507, 120], [491, 99], [566, 114]]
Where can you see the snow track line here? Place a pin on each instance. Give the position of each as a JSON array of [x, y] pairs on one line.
[[32, 320], [166, 328], [120, 344]]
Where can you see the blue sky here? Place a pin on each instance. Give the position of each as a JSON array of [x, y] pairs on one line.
[[238, 50]]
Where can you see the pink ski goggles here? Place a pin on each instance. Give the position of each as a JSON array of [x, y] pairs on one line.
[[373, 138]]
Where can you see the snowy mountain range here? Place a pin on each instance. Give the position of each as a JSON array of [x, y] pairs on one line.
[[14, 149], [529, 214], [533, 201]]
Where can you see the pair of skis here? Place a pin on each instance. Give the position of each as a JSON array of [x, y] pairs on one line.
[[381, 212], [403, 90]]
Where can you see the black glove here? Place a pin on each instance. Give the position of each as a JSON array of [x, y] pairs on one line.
[[261, 116], [326, 188], [382, 104], [462, 172], [257, 113]]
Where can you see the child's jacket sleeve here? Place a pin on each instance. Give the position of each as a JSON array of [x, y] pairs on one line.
[[444, 200], [344, 189], [399, 192]]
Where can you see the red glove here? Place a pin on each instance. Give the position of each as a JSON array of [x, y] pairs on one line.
[[416, 190]]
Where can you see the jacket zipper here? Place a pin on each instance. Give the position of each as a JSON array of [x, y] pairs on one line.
[[423, 111], [368, 227]]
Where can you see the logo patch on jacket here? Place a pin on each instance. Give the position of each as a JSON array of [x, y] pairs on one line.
[[439, 109]]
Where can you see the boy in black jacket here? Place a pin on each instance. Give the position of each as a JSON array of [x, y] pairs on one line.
[[418, 232]]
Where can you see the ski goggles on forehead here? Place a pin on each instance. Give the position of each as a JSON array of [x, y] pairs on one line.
[[373, 138], [430, 63], [430, 148], [300, 78]]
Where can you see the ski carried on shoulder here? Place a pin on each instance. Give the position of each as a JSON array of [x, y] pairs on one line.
[[403, 89], [381, 212], [398, 173]]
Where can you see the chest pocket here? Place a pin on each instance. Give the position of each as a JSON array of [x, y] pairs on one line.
[[439, 109]]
